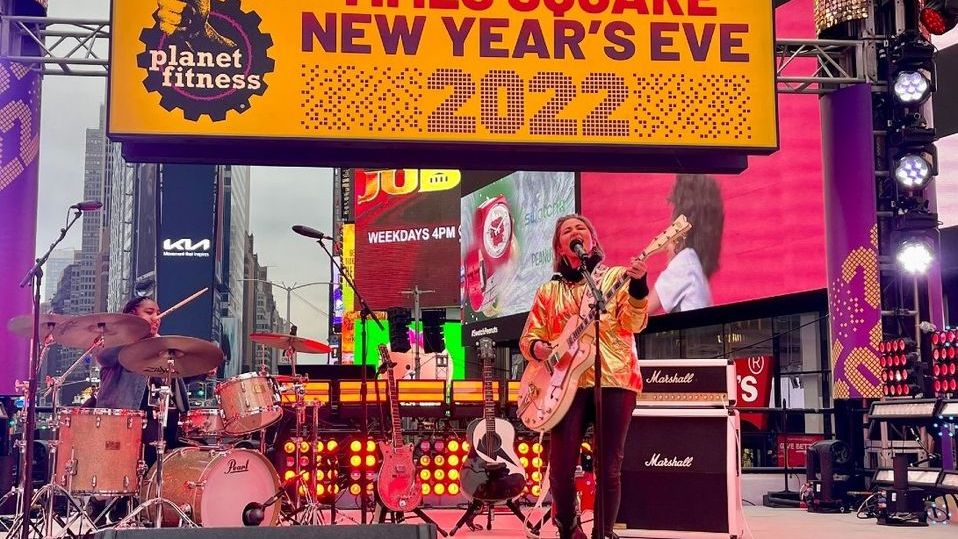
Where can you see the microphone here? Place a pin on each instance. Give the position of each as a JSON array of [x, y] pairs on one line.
[[87, 205], [578, 249], [310, 232]]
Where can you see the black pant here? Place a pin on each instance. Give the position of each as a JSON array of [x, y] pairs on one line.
[[566, 439]]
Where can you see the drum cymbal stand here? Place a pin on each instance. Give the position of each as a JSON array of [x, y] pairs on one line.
[[307, 507], [53, 489], [161, 409]]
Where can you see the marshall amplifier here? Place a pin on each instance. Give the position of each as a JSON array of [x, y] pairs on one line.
[[687, 382], [681, 475]]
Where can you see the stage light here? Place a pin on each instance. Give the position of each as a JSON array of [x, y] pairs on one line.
[[537, 476], [355, 475], [453, 445], [939, 16], [332, 445], [303, 461], [439, 489], [537, 448], [453, 460], [355, 461], [424, 460], [320, 490], [524, 462], [915, 257], [304, 447], [355, 446], [289, 475], [424, 446], [453, 489], [370, 446], [439, 445], [439, 475], [370, 461], [355, 489], [289, 447], [523, 448], [425, 475], [453, 475], [439, 460], [537, 462], [426, 489], [911, 87], [536, 490], [913, 171]]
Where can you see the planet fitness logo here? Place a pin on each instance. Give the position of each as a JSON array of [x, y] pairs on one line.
[[206, 60]]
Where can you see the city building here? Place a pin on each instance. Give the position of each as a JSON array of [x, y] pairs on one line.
[[58, 261]]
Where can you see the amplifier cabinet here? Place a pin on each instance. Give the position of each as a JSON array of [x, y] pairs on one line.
[[688, 382], [681, 476]]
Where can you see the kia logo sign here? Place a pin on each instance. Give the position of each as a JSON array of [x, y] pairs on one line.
[[756, 365], [187, 247]]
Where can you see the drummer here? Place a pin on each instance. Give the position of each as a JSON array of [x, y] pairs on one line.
[[122, 389]]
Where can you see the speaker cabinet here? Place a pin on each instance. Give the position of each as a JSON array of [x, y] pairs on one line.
[[681, 476]]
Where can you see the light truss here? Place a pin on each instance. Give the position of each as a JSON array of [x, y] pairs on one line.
[[818, 66], [79, 47], [75, 47]]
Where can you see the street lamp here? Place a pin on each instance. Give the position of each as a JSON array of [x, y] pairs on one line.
[[289, 292]]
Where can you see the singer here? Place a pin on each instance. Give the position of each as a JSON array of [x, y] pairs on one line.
[[626, 314]]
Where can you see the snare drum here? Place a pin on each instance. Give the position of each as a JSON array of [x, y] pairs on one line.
[[99, 450], [215, 485], [202, 423], [250, 402]]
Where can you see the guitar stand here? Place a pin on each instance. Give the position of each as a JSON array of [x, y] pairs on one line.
[[398, 516], [468, 518]]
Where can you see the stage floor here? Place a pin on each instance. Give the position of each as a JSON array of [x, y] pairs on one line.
[[764, 522]]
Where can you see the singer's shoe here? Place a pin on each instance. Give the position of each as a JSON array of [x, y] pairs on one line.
[[571, 532]]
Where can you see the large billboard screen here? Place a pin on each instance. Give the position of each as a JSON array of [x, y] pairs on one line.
[[186, 254], [407, 236], [621, 75], [506, 247]]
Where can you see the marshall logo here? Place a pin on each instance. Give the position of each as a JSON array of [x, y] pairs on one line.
[[233, 467], [675, 462], [658, 378], [205, 58]]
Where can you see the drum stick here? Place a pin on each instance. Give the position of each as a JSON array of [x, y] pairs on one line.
[[182, 303]]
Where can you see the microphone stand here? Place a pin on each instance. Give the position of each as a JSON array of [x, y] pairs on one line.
[[35, 274], [364, 313], [598, 307]]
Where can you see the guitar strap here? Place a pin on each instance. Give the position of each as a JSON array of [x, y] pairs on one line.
[[585, 306]]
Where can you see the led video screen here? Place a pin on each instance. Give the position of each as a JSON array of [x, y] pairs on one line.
[[407, 235], [507, 229], [757, 234]]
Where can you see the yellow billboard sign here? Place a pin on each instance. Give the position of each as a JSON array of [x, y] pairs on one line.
[[555, 73]]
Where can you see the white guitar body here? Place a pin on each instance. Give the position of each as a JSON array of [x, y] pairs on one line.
[[544, 396], [505, 454]]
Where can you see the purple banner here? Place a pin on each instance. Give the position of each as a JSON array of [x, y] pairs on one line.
[[19, 174], [851, 229]]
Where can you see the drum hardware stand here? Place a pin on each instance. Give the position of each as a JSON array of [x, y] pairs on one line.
[[51, 490], [365, 313], [161, 410], [311, 509], [417, 317]]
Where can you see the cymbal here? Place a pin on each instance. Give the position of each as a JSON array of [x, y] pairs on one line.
[[116, 330], [190, 356], [284, 342], [23, 325]]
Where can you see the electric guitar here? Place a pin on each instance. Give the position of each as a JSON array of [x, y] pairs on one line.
[[548, 387], [491, 472], [398, 486]]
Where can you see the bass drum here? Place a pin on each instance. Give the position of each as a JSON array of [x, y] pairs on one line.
[[215, 485]]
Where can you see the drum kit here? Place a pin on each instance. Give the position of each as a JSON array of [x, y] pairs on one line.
[[98, 453]]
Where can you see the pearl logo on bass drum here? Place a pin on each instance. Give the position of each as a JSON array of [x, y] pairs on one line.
[[234, 467]]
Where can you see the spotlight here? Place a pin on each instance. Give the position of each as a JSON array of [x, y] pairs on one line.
[[911, 87], [915, 257], [913, 171], [939, 16]]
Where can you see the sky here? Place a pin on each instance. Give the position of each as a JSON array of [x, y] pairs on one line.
[[280, 197]]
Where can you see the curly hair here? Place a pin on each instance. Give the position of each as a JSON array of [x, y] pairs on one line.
[[596, 246], [697, 196]]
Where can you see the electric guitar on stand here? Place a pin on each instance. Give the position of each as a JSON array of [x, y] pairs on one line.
[[398, 485], [548, 387], [491, 472]]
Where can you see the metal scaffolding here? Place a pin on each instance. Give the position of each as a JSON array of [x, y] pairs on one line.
[[79, 47]]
